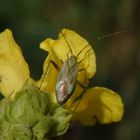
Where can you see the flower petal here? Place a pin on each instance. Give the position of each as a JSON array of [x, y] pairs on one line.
[[102, 105], [59, 50], [14, 70]]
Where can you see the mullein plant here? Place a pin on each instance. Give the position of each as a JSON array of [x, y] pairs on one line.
[[29, 109]]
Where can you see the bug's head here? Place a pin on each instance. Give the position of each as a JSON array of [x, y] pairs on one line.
[[72, 61]]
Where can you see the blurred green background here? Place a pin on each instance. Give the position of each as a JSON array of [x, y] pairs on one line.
[[118, 58]]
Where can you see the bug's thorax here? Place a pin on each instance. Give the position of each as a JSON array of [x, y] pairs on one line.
[[72, 61]]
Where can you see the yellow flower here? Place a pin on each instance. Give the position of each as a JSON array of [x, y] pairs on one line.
[[14, 70], [98, 103]]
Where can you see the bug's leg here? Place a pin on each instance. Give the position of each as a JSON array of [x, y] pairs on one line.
[[81, 84], [84, 69], [85, 56], [45, 73], [78, 99], [55, 65], [68, 53]]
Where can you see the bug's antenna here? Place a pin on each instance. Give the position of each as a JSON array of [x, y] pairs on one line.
[[62, 35], [67, 42], [102, 37], [109, 35], [82, 50]]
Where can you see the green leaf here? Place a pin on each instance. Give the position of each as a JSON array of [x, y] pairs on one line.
[[32, 115], [62, 118]]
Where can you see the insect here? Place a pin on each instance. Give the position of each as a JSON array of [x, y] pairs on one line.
[[67, 77]]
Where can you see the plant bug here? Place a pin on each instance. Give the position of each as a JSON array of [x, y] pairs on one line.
[[67, 77]]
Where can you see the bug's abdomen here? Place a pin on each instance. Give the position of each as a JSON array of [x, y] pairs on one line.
[[66, 81], [61, 91]]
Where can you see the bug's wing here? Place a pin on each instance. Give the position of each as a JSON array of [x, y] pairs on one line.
[[61, 84], [62, 76], [66, 81], [72, 78]]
